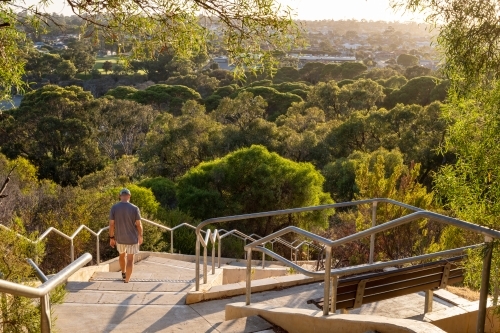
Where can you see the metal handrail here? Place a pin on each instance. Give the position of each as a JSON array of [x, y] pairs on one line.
[[342, 271], [171, 230], [374, 202], [97, 235], [70, 238], [488, 233], [45, 288]]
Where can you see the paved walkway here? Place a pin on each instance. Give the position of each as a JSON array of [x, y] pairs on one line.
[[154, 301]]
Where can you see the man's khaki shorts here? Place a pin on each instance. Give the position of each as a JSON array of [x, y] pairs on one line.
[[127, 248]]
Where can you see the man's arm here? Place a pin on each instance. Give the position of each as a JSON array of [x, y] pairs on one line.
[[112, 241], [138, 225]]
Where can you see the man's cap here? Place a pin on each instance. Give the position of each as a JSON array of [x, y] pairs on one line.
[[125, 191]]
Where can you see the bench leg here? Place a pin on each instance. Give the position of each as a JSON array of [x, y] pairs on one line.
[[429, 294], [344, 311]]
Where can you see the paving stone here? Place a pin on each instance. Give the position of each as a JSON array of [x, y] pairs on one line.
[[131, 319], [72, 285], [82, 297], [121, 298], [162, 298], [161, 286]]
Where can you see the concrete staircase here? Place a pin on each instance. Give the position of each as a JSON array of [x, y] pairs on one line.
[[153, 301]]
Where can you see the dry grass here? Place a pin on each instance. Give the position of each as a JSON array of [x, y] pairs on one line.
[[464, 292]]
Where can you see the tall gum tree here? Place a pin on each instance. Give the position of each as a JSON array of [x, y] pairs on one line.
[[470, 43]]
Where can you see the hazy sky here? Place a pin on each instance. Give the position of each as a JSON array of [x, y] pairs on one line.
[[314, 9], [346, 9]]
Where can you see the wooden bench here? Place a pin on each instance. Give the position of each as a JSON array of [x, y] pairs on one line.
[[354, 291]]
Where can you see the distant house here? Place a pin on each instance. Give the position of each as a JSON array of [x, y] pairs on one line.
[[351, 46], [60, 46], [223, 62]]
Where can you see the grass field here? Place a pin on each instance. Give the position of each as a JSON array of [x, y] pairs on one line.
[[100, 60]]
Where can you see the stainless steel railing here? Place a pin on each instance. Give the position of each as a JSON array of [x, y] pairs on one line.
[[201, 242], [68, 237], [331, 276], [97, 235], [42, 291]]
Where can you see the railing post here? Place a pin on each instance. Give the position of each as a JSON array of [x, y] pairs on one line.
[[172, 241], [249, 276], [205, 259], [213, 258], [197, 263], [72, 251], [97, 250], [485, 282], [328, 267], [45, 323], [372, 237], [245, 244], [219, 244], [264, 259], [296, 259]]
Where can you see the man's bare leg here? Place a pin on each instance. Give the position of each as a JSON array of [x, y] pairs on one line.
[[130, 266], [121, 259]]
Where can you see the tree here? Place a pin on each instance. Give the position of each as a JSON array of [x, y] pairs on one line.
[[311, 72], [351, 70], [301, 129], [467, 37], [176, 144], [163, 190], [407, 60], [12, 61], [81, 56], [66, 70], [165, 97], [286, 74], [244, 28], [375, 180], [19, 314], [415, 91], [54, 128], [122, 92], [241, 111], [277, 102], [253, 180], [360, 95], [414, 71], [42, 65], [326, 97], [107, 66], [123, 126]]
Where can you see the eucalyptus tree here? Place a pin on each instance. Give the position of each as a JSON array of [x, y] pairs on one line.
[[173, 145], [54, 128], [123, 126]]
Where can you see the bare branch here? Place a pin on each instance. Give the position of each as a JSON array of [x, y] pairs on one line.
[[6, 181]]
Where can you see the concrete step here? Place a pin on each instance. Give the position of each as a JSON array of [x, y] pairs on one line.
[[252, 324]]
